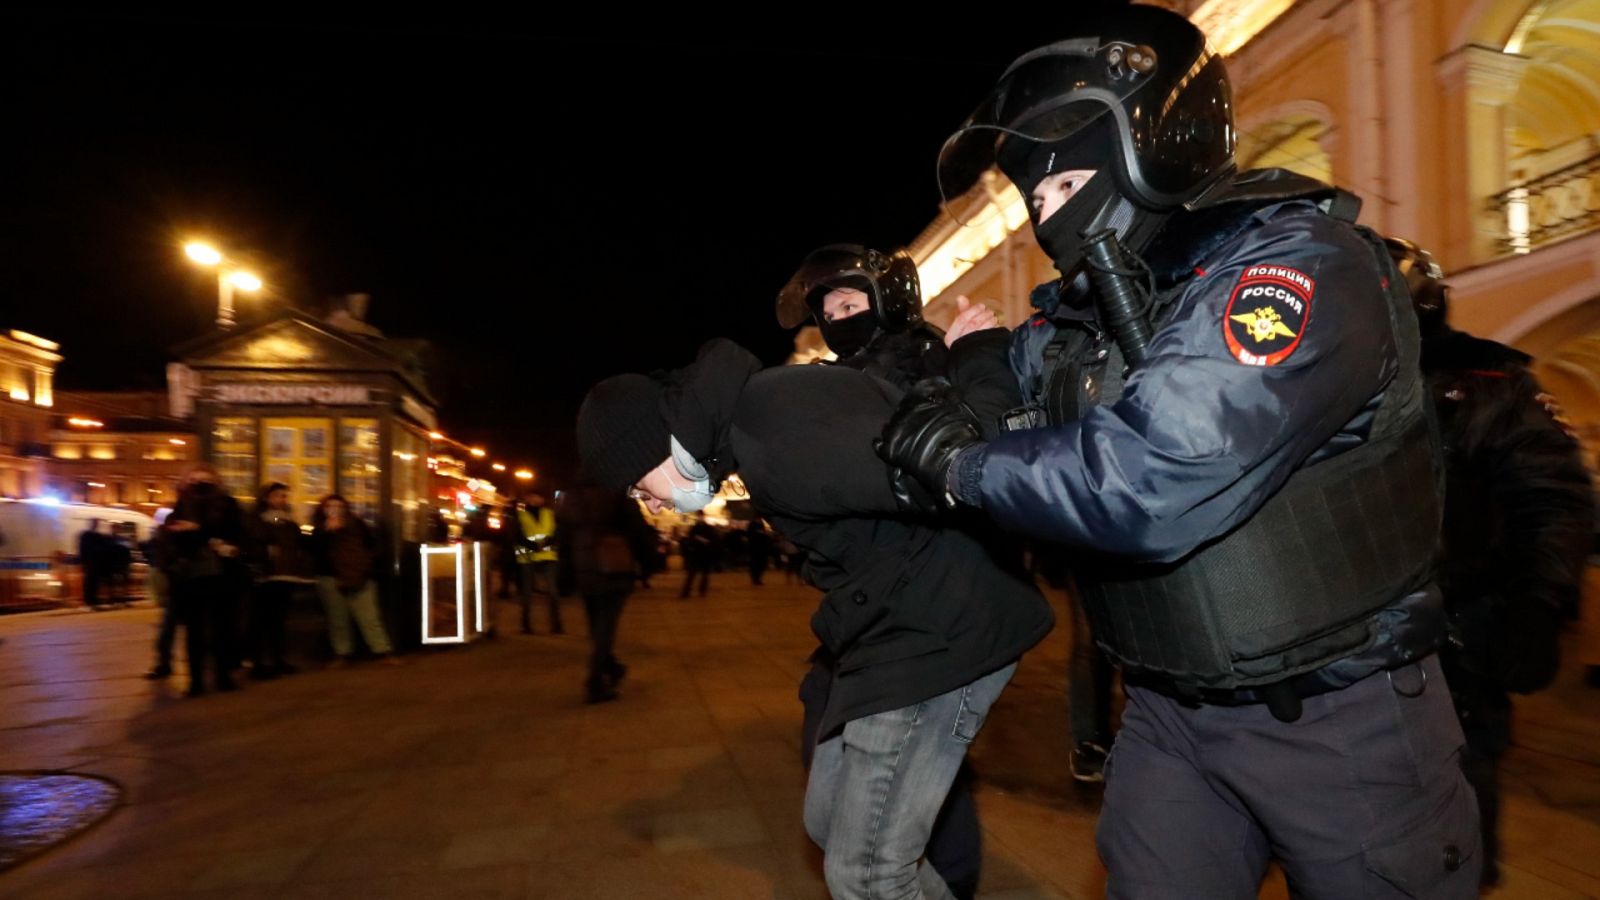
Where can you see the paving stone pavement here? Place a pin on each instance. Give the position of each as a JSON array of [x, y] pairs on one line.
[[479, 772]]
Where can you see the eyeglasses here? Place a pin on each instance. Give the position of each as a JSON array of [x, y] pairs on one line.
[[636, 493]]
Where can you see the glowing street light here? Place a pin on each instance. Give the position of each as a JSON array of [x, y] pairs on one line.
[[435, 436], [244, 281], [498, 467], [524, 474], [479, 452], [202, 253], [229, 278]]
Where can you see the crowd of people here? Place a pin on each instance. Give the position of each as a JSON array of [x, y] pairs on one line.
[[214, 565]]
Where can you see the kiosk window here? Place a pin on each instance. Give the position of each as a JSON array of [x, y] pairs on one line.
[[233, 452], [298, 455], [358, 465]]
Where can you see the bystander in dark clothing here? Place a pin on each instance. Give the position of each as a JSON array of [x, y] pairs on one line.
[[1518, 509], [758, 545], [93, 560], [205, 531], [699, 550], [602, 540], [1090, 675], [280, 564]]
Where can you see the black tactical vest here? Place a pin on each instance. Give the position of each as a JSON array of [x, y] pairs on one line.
[[1298, 584]]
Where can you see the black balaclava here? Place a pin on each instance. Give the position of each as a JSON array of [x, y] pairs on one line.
[[1100, 204], [848, 336]]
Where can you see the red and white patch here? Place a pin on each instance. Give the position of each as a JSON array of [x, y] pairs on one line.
[[1267, 314]]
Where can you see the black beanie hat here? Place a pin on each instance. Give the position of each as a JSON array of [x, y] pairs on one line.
[[622, 430]]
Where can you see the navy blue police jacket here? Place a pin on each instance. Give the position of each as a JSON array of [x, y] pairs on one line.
[[1272, 352]]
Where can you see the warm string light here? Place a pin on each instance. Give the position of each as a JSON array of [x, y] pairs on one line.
[[440, 437]]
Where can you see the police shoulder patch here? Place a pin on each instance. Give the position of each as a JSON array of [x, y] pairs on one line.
[[1267, 314]]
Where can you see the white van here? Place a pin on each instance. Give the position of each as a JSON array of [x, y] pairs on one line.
[[39, 546], [33, 528]]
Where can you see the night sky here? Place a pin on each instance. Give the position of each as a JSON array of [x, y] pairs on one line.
[[546, 205]]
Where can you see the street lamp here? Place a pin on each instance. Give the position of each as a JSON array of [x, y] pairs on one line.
[[229, 278]]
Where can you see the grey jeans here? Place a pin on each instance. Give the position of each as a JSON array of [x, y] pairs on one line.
[[1361, 797], [877, 786]]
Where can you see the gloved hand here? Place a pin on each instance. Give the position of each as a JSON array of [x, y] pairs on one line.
[[923, 438]]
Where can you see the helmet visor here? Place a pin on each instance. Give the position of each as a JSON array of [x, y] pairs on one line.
[[1046, 97], [837, 266]]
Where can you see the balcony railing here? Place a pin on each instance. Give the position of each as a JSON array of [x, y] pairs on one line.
[[1561, 204]]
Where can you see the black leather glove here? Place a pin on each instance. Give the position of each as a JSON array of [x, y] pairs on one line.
[[923, 438]]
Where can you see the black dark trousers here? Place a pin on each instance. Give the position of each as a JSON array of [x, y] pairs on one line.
[[168, 632], [604, 612], [1487, 727], [1089, 678], [688, 579], [269, 610], [205, 607], [91, 587], [540, 578]]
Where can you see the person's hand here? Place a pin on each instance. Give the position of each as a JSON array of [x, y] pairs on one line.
[[970, 317], [923, 438]]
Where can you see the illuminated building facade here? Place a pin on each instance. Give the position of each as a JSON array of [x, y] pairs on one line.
[[118, 449], [27, 394]]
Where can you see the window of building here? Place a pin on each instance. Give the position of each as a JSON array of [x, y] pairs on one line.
[[358, 465]]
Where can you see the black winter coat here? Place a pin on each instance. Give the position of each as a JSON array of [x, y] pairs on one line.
[[1518, 514], [911, 608]]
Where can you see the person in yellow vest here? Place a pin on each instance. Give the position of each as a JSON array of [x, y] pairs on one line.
[[536, 559]]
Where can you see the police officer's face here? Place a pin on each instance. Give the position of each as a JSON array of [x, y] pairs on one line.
[[842, 303], [1055, 190]]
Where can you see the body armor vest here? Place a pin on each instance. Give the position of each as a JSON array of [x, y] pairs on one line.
[[1298, 584]]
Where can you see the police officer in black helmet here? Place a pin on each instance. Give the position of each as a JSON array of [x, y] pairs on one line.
[[868, 306], [1228, 420]]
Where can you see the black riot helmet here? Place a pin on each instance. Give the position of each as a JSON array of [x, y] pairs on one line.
[[1139, 78], [888, 279], [1430, 296]]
